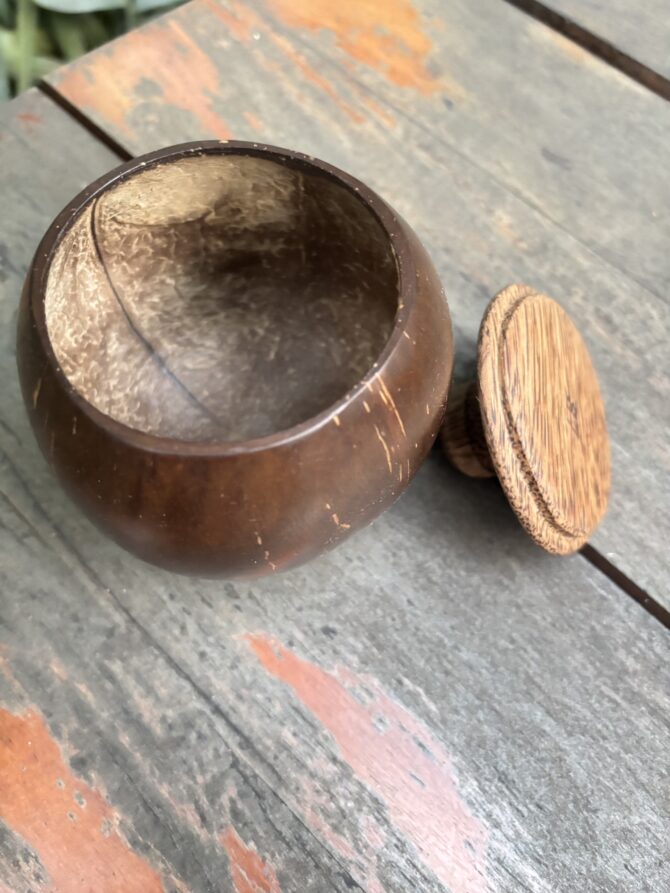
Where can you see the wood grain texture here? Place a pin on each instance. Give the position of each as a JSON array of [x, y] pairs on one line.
[[562, 130], [641, 31], [114, 776], [400, 715], [514, 154], [543, 418]]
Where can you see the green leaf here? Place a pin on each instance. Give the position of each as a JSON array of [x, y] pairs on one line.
[[68, 34], [43, 43], [44, 65], [95, 30], [6, 13], [131, 14], [4, 76], [9, 52], [26, 32], [8, 47]]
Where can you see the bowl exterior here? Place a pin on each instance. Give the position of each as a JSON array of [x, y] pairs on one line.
[[252, 511]]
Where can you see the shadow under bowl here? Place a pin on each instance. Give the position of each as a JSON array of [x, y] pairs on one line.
[[233, 355]]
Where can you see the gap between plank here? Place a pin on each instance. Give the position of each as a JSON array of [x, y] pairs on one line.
[[596, 45], [641, 596], [84, 121], [593, 556]]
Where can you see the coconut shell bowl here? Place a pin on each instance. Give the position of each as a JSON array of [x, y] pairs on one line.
[[233, 356]]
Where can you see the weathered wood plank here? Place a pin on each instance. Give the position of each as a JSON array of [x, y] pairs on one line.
[[516, 156], [437, 721], [115, 773], [565, 132], [439, 725], [640, 30]]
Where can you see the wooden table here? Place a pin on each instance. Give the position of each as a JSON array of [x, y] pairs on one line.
[[436, 705]]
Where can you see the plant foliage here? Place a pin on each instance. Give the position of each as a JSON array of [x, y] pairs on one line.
[[38, 35]]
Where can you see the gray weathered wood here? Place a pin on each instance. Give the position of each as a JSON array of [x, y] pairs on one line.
[[516, 156], [83, 679], [566, 133], [441, 704], [539, 692], [80, 679], [641, 30]]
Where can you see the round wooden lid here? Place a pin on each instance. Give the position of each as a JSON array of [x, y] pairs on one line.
[[543, 418]]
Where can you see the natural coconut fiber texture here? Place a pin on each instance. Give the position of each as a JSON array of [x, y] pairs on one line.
[[220, 297], [543, 418]]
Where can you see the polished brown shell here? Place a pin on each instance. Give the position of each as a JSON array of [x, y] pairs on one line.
[[232, 355]]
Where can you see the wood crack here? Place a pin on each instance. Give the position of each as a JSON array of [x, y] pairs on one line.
[[630, 587], [83, 120], [597, 46]]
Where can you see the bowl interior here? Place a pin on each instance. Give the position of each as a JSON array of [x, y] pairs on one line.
[[220, 297]]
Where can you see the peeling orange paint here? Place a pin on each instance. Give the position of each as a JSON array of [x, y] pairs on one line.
[[108, 82], [384, 116], [313, 798], [396, 756], [83, 689], [58, 669], [163, 60], [249, 872], [373, 834], [253, 121], [385, 35], [505, 227], [241, 21], [318, 80], [80, 84], [29, 119], [68, 824]]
